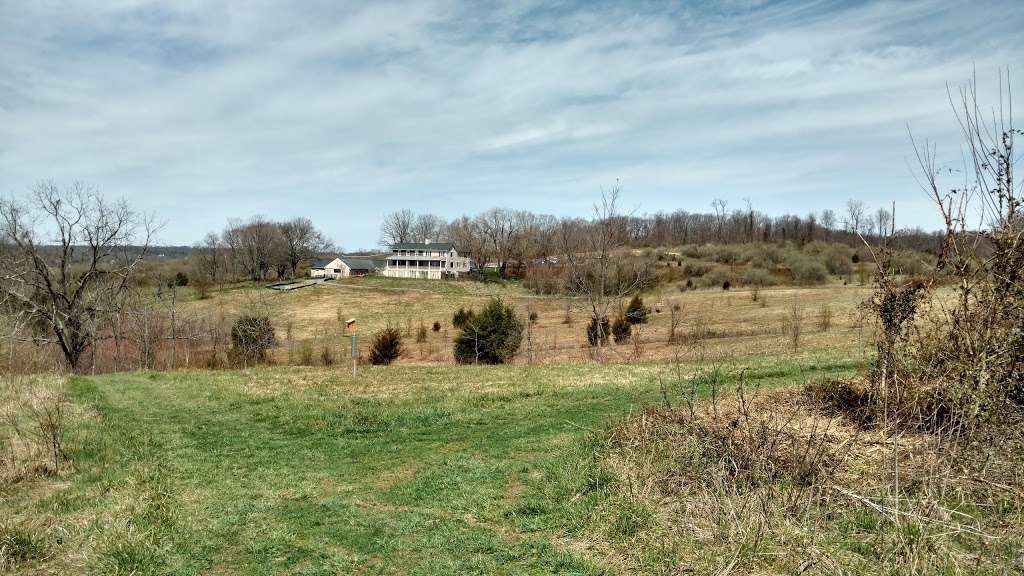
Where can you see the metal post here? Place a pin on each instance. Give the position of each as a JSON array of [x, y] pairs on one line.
[[355, 351]]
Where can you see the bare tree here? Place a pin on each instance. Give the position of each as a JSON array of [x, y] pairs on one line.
[[589, 252], [828, 222], [397, 227], [855, 214], [500, 227], [208, 260], [427, 227], [883, 219], [255, 246], [719, 206], [302, 242], [68, 260]]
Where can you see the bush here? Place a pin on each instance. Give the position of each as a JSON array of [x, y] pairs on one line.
[[421, 333], [716, 277], [697, 269], [251, 337], [181, 279], [594, 333], [758, 277], [762, 261], [326, 356], [386, 346], [622, 329], [808, 271], [462, 317], [491, 337], [837, 260], [437, 326], [636, 312], [726, 285], [726, 254]]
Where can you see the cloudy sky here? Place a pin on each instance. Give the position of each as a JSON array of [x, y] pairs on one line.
[[342, 111]]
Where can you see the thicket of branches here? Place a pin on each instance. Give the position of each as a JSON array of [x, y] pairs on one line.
[[956, 364], [258, 249], [67, 257]]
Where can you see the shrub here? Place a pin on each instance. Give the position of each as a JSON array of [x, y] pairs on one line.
[[824, 318], [596, 333], [437, 326], [386, 346], [636, 312], [533, 317], [326, 355], [726, 285], [697, 269], [726, 254], [762, 261], [808, 271], [462, 317], [251, 337], [716, 277], [181, 279], [689, 284], [837, 260], [306, 353], [622, 328], [421, 333], [491, 337], [758, 277]]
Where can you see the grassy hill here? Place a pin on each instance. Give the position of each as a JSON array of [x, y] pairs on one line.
[[714, 323], [401, 470]]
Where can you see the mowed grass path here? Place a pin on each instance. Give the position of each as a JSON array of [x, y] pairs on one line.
[[403, 470]]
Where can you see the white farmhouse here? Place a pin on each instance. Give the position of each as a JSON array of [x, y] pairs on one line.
[[344, 267], [428, 259]]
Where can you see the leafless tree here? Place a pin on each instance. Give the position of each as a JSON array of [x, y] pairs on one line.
[[255, 246], [69, 258], [828, 222], [855, 214], [397, 227], [302, 242], [589, 252], [719, 206], [883, 220], [428, 227], [208, 259], [500, 228], [465, 233]]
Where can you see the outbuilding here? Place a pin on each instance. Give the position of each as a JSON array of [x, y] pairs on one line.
[[344, 267]]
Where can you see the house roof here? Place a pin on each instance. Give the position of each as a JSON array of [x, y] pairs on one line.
[[362, 263], [322, 263], [441, 246]]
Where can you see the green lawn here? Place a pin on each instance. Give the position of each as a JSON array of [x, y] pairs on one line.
[[466, 470]]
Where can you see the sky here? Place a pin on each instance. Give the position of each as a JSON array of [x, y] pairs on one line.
[[344, 111]]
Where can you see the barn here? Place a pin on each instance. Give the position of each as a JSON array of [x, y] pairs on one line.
[[344, 267]]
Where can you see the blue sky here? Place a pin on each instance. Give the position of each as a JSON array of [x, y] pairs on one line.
[[201, 111]]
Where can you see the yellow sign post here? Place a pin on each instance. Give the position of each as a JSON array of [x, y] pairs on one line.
[[350, 327]]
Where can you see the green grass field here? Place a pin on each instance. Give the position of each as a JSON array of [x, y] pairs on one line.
[[402, 470]]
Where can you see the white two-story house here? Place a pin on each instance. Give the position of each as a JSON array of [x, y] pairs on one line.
[[428, 259]]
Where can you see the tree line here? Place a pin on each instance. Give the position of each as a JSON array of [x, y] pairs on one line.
[[508, 238], [258, 249]]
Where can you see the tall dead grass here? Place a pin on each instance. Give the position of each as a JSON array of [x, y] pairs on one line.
[[33, 427], [780, 481]]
